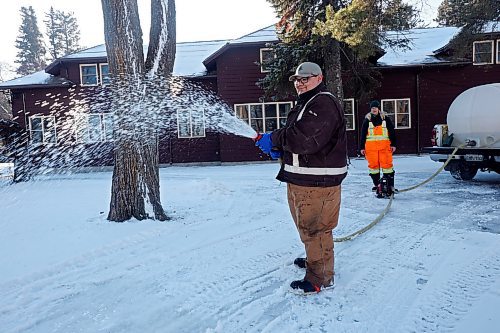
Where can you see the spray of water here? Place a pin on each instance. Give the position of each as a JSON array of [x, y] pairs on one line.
[[81, 126]]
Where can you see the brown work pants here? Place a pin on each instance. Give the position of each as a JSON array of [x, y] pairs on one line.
[[315, 211]]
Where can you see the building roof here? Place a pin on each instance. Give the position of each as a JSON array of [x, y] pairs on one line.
[[188, 57], [36, 80], [262, 36], [193, 58], [188, 63], [424, 45]]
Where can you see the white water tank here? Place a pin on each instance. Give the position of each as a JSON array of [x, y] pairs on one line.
[[475, 115]]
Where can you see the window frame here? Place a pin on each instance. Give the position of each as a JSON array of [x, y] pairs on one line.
[[351, 100], [43, 130], [101, 75], [492, 57], [264, 117], [498, 52], [103, 131], [96, 75], [395, 100], [262, 64], [191, 136]]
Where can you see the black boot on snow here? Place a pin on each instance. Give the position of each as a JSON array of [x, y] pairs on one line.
[[300, 262], [390, 178], [384, 190], [305, 286], [376, 180]]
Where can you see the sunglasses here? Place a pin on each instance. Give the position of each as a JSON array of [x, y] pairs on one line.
[[303, 80]]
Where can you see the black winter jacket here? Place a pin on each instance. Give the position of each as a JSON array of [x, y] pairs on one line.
[[313, 141]]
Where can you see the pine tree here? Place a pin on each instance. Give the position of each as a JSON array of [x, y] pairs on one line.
[[321, 30], [70, 32], [54, 34], [468, 13], [63, 33], [31, 55]]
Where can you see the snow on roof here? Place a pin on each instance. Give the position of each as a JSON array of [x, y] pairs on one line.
[[190, 55], [423, 43], [267, 34], [188, 62], [36, 79], [188, 58], [98, 51], [492, 26]]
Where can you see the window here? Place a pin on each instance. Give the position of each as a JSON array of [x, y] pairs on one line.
[[88, 75], [263, 117], [399, 111], [498, 51], [104, 70], [94, 127], [43, 129], [349, 113], [483, 52], [190, 123], [266, 56]]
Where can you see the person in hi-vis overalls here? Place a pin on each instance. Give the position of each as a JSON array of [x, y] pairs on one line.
[[378, 142]]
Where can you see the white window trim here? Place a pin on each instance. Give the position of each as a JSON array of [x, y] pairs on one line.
[[474, 52], [262, 105], [87, 129], [262, 70], [43, 129], [394, 100], [498, 52], [191, 136], [96, 73], [353, 112], [100, 73]]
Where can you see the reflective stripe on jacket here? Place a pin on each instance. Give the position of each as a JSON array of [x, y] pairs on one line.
[[313, 141]]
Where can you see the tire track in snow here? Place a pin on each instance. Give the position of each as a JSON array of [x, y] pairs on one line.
[[444, 305]]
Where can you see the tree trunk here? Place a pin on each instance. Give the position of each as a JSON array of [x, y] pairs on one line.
[[136, 172], [333, 68], [162, 38]]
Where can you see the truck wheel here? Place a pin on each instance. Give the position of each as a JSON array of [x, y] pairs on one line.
[[463, 171]]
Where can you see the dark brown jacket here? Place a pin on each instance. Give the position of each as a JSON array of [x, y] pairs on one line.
[[313, 141]]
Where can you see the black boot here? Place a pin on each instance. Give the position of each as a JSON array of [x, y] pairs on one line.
[[305, 286], [376, 180], [390, 180], [300, 262]]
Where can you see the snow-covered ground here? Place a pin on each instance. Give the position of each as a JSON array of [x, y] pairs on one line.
[[224, 261]]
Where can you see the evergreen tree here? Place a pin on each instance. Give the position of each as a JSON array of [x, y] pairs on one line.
[[63, 33], [54, 34], [70, 32], [321, 30], [5, 106], [31, 55], [468, 13]]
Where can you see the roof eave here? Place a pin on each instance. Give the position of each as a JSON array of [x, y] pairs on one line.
[[211, 58], [30, 86], [431, 64]]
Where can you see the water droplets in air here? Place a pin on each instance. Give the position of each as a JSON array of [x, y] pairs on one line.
[[78, 128]]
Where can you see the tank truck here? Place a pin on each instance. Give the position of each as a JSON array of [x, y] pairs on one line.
[[473, 125]]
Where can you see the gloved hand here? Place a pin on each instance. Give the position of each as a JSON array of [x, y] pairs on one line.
[[264, 143], [275, 154]]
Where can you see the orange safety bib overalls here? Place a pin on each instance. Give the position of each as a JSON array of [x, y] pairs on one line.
[[378, 149]]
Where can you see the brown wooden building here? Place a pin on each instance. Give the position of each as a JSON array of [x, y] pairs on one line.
[[416, 89]]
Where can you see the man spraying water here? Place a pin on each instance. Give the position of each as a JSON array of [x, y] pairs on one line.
[[313, 149]]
